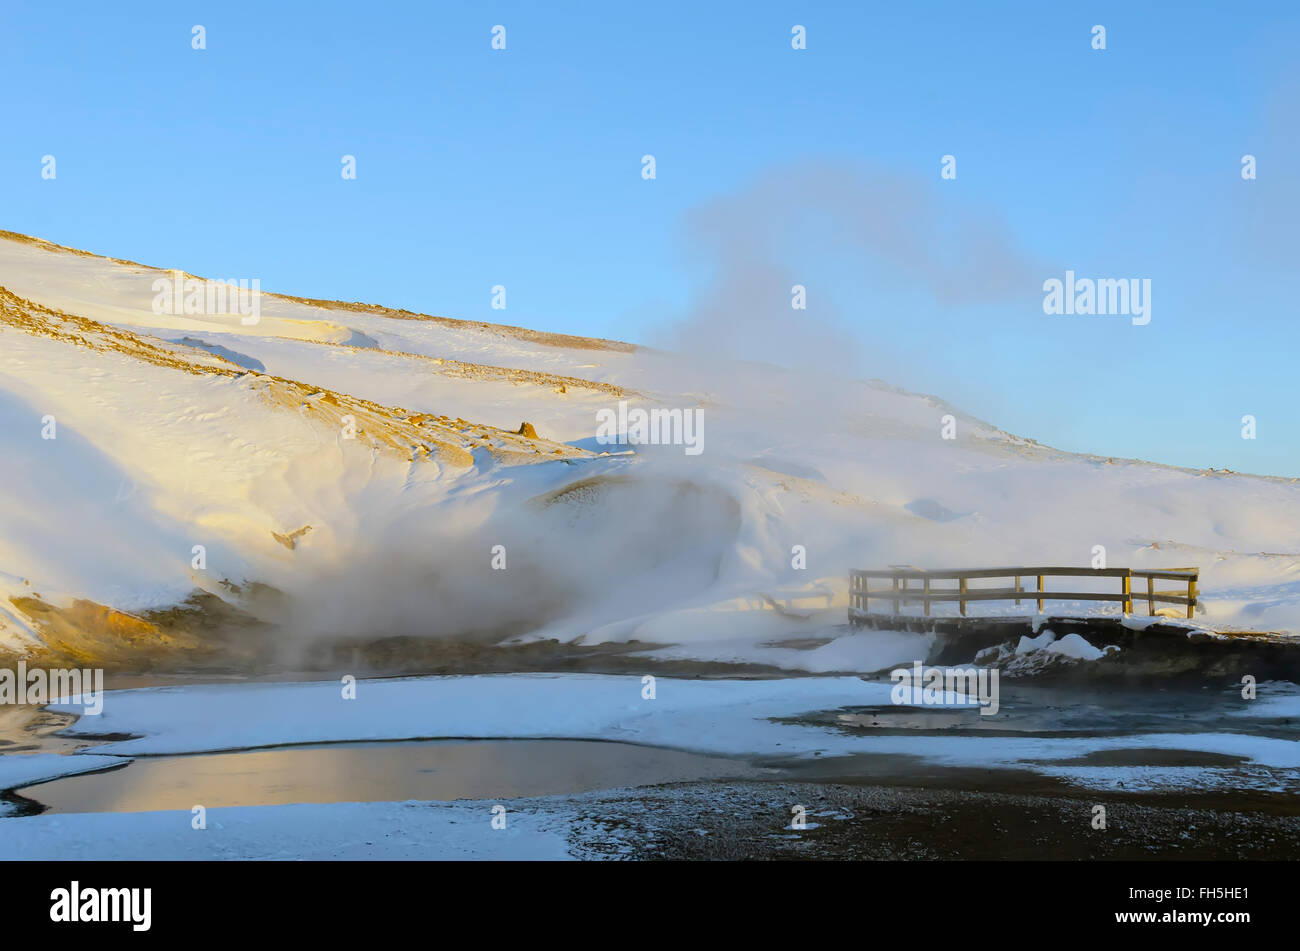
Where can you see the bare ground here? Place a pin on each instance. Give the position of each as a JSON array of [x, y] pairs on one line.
[[751, 821]]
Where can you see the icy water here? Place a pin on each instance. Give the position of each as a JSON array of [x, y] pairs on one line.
[[378, 772]]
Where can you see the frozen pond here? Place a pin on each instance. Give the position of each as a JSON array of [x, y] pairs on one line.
[[377, 772]]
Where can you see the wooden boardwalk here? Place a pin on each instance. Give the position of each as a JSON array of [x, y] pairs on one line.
[[918, 586]]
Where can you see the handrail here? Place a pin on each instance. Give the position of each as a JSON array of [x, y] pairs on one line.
[[900, 594]]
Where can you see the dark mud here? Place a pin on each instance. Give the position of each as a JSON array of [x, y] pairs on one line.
[[752, 821], [1150, 650]]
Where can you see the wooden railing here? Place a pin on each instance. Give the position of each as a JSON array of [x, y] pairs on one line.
[[903, 593]]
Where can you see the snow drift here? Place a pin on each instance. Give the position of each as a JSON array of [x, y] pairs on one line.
[[346, 470]]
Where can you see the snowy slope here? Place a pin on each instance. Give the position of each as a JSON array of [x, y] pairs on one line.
[[176, 431]]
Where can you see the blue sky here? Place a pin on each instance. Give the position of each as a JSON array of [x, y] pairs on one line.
[[522, 167]]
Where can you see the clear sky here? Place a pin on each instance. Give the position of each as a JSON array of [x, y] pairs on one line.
[[522, 167]]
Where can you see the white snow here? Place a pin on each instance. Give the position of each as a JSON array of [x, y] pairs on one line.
[[1273, 699], [732, 717], [23, 769], [654, 546], [1030, 644], [303, 831], [1073, 645], [725, 716]]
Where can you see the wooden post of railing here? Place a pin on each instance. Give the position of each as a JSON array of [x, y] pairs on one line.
[[903, 592]]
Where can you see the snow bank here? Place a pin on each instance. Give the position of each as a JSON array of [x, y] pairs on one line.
[[729, 717], [24, 769], [801, 478], [357, 831]]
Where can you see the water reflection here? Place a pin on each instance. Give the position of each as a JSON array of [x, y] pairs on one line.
[[378, 772]]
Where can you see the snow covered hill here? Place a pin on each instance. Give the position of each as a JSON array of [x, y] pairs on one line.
[[337, 469]]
